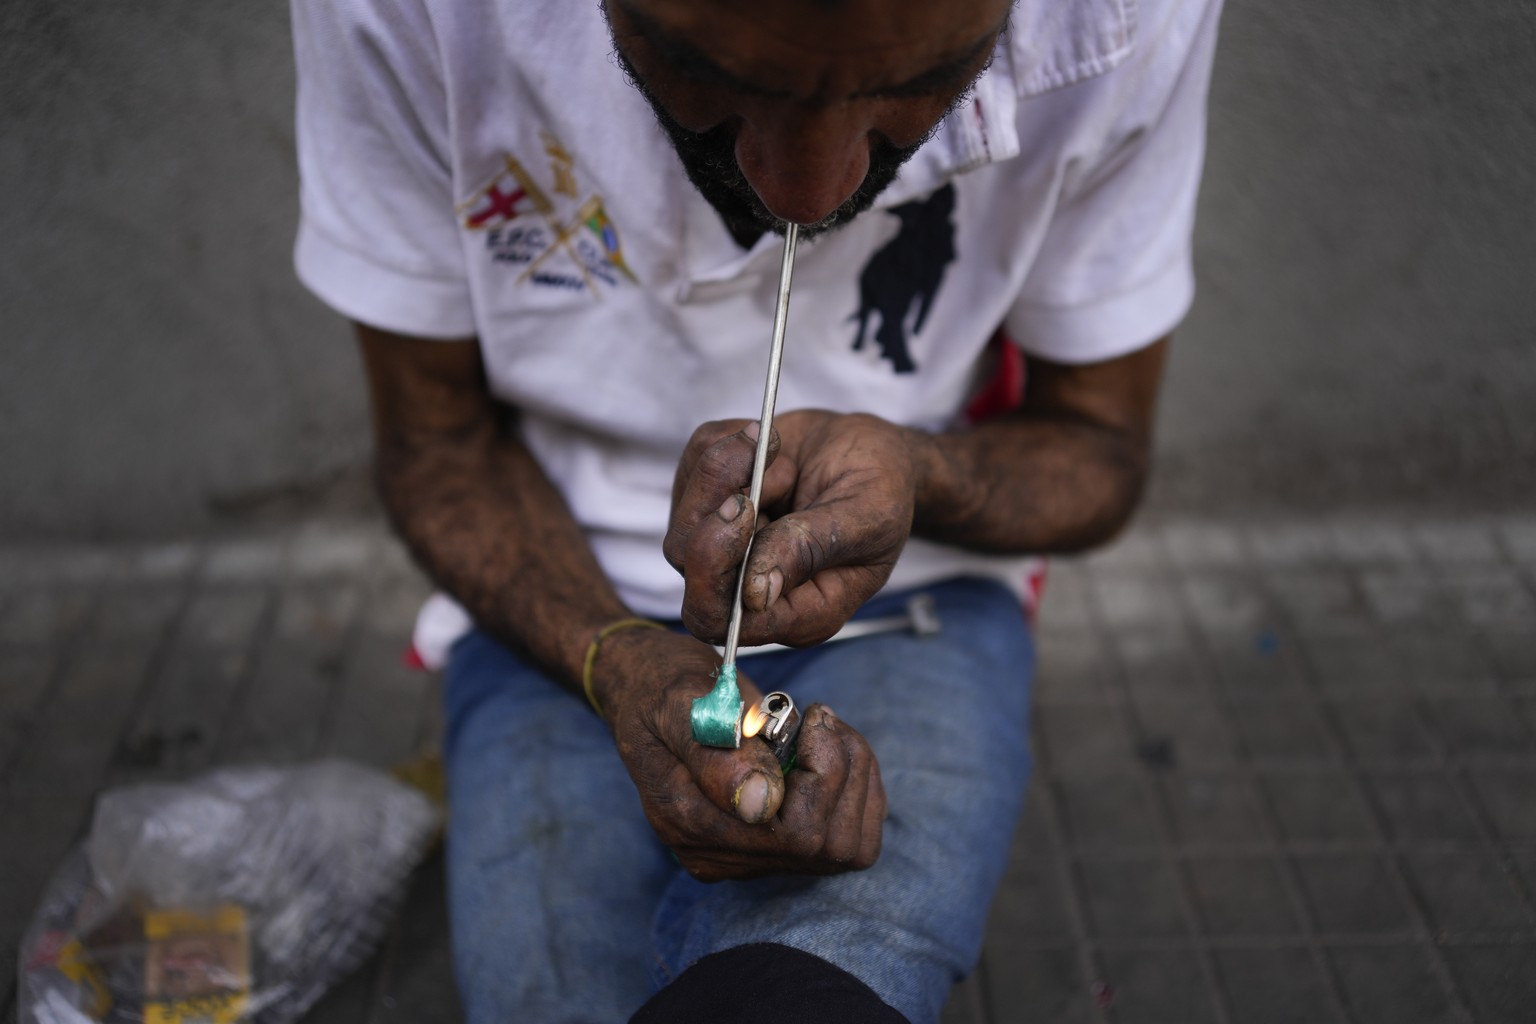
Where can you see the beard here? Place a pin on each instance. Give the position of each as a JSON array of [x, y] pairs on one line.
[[709, 160]]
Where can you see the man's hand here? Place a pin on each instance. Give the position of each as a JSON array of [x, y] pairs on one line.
[[837, 509], [731, 813]]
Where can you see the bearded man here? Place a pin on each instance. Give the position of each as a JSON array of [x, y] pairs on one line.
[[555, 228]]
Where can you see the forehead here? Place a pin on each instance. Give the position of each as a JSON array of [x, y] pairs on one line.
[[822, 48]]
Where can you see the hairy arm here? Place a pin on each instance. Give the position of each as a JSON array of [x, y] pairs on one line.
[[475, 508], [1062, 473], [483, 519]]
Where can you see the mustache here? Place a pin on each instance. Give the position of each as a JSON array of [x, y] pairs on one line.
[[709, 160]]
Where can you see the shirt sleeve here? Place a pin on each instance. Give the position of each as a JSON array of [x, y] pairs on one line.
[[1114, 272], [378, 236]]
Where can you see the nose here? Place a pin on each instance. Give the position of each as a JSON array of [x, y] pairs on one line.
[[802, 162]]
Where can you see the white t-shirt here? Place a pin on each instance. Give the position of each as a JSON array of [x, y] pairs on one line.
[[482, 167]]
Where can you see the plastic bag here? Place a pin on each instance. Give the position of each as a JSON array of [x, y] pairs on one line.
[[240, 896]]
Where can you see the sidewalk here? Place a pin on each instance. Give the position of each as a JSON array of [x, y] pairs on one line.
[[1286, 771]]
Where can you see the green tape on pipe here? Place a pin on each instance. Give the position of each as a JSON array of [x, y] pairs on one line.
[[717, 714]]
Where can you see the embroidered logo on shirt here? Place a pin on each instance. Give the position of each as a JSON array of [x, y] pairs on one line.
[[559, 242], [905, 273]]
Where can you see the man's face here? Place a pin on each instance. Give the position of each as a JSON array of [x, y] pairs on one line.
[[800, 110]]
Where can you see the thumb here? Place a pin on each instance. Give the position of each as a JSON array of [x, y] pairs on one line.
[[746, 782]]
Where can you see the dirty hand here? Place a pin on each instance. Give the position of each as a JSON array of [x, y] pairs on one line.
[[838, 502], [732, 813]]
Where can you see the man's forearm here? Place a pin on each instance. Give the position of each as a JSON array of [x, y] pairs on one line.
[[1048, 483], [483, 519]]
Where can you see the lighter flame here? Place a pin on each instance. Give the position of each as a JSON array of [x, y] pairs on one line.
[[753, 720]]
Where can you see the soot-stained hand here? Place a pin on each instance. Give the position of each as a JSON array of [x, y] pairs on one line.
[[838, 502], [732, 813]]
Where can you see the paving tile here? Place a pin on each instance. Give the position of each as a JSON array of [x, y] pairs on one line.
[[135, 615], [1034, 837], [246, 559], [1135, 897], [24, 681], [1320, 601], [1030, 903], [1139, 549], [1135, 600], [320, 550], [1078, 738], [1480, 727], [1241, 896], [1422, 807], [1292, 544], [1513, 653], [1037, 984], [1491, 596], [283, 712], [1510, 798], [1197, 546], [1391, 984], [1229, 603], [211, 657], [66, 752], [1064, 603], [1359, 543], [1500, 980], [43, 618], [1263, 664], [1518, 538], [1185, 733], [416, 982], [1468, 890], [1071, 666], [1318, 806], [1383, 729], [1212, 809], [51, 827], [1405, 594], [1350, 893], [378, 708], [1356, 665], [1456, 543], [1158, 987], [1109, 812], [1276, 986], [1446, 662], [1161, 662], [1283, 730]]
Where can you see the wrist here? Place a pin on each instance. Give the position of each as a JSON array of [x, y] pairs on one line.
[[947, 491], [620, 669]]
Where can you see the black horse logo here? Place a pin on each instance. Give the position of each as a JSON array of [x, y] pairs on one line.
[[907, 272]]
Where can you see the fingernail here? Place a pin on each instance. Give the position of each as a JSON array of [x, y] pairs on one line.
[[731, 508], [751, 430], [751, 799], [775, 585]]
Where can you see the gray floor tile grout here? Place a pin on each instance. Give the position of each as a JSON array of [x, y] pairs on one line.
[[1072, 893], [62, 651], [1449, 984], [1274, 853], [1220, 1003]]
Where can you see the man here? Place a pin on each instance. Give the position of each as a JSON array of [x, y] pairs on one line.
[[553, 225]]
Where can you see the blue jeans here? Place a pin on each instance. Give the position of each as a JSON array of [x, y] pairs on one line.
[[565, 906]]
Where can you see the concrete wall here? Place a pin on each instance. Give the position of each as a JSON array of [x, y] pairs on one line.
[[1364, 332]]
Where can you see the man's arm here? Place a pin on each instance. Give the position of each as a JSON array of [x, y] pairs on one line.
[[844, 492], [483, 519], [1063, 473]]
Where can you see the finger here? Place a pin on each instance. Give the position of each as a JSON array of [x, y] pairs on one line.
[[874, 820], [846, 826], [816, 787], [794, 549], [713, 558], [747, 782], [710, 475]]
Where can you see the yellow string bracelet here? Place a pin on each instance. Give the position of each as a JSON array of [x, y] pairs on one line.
[[603, 634]]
